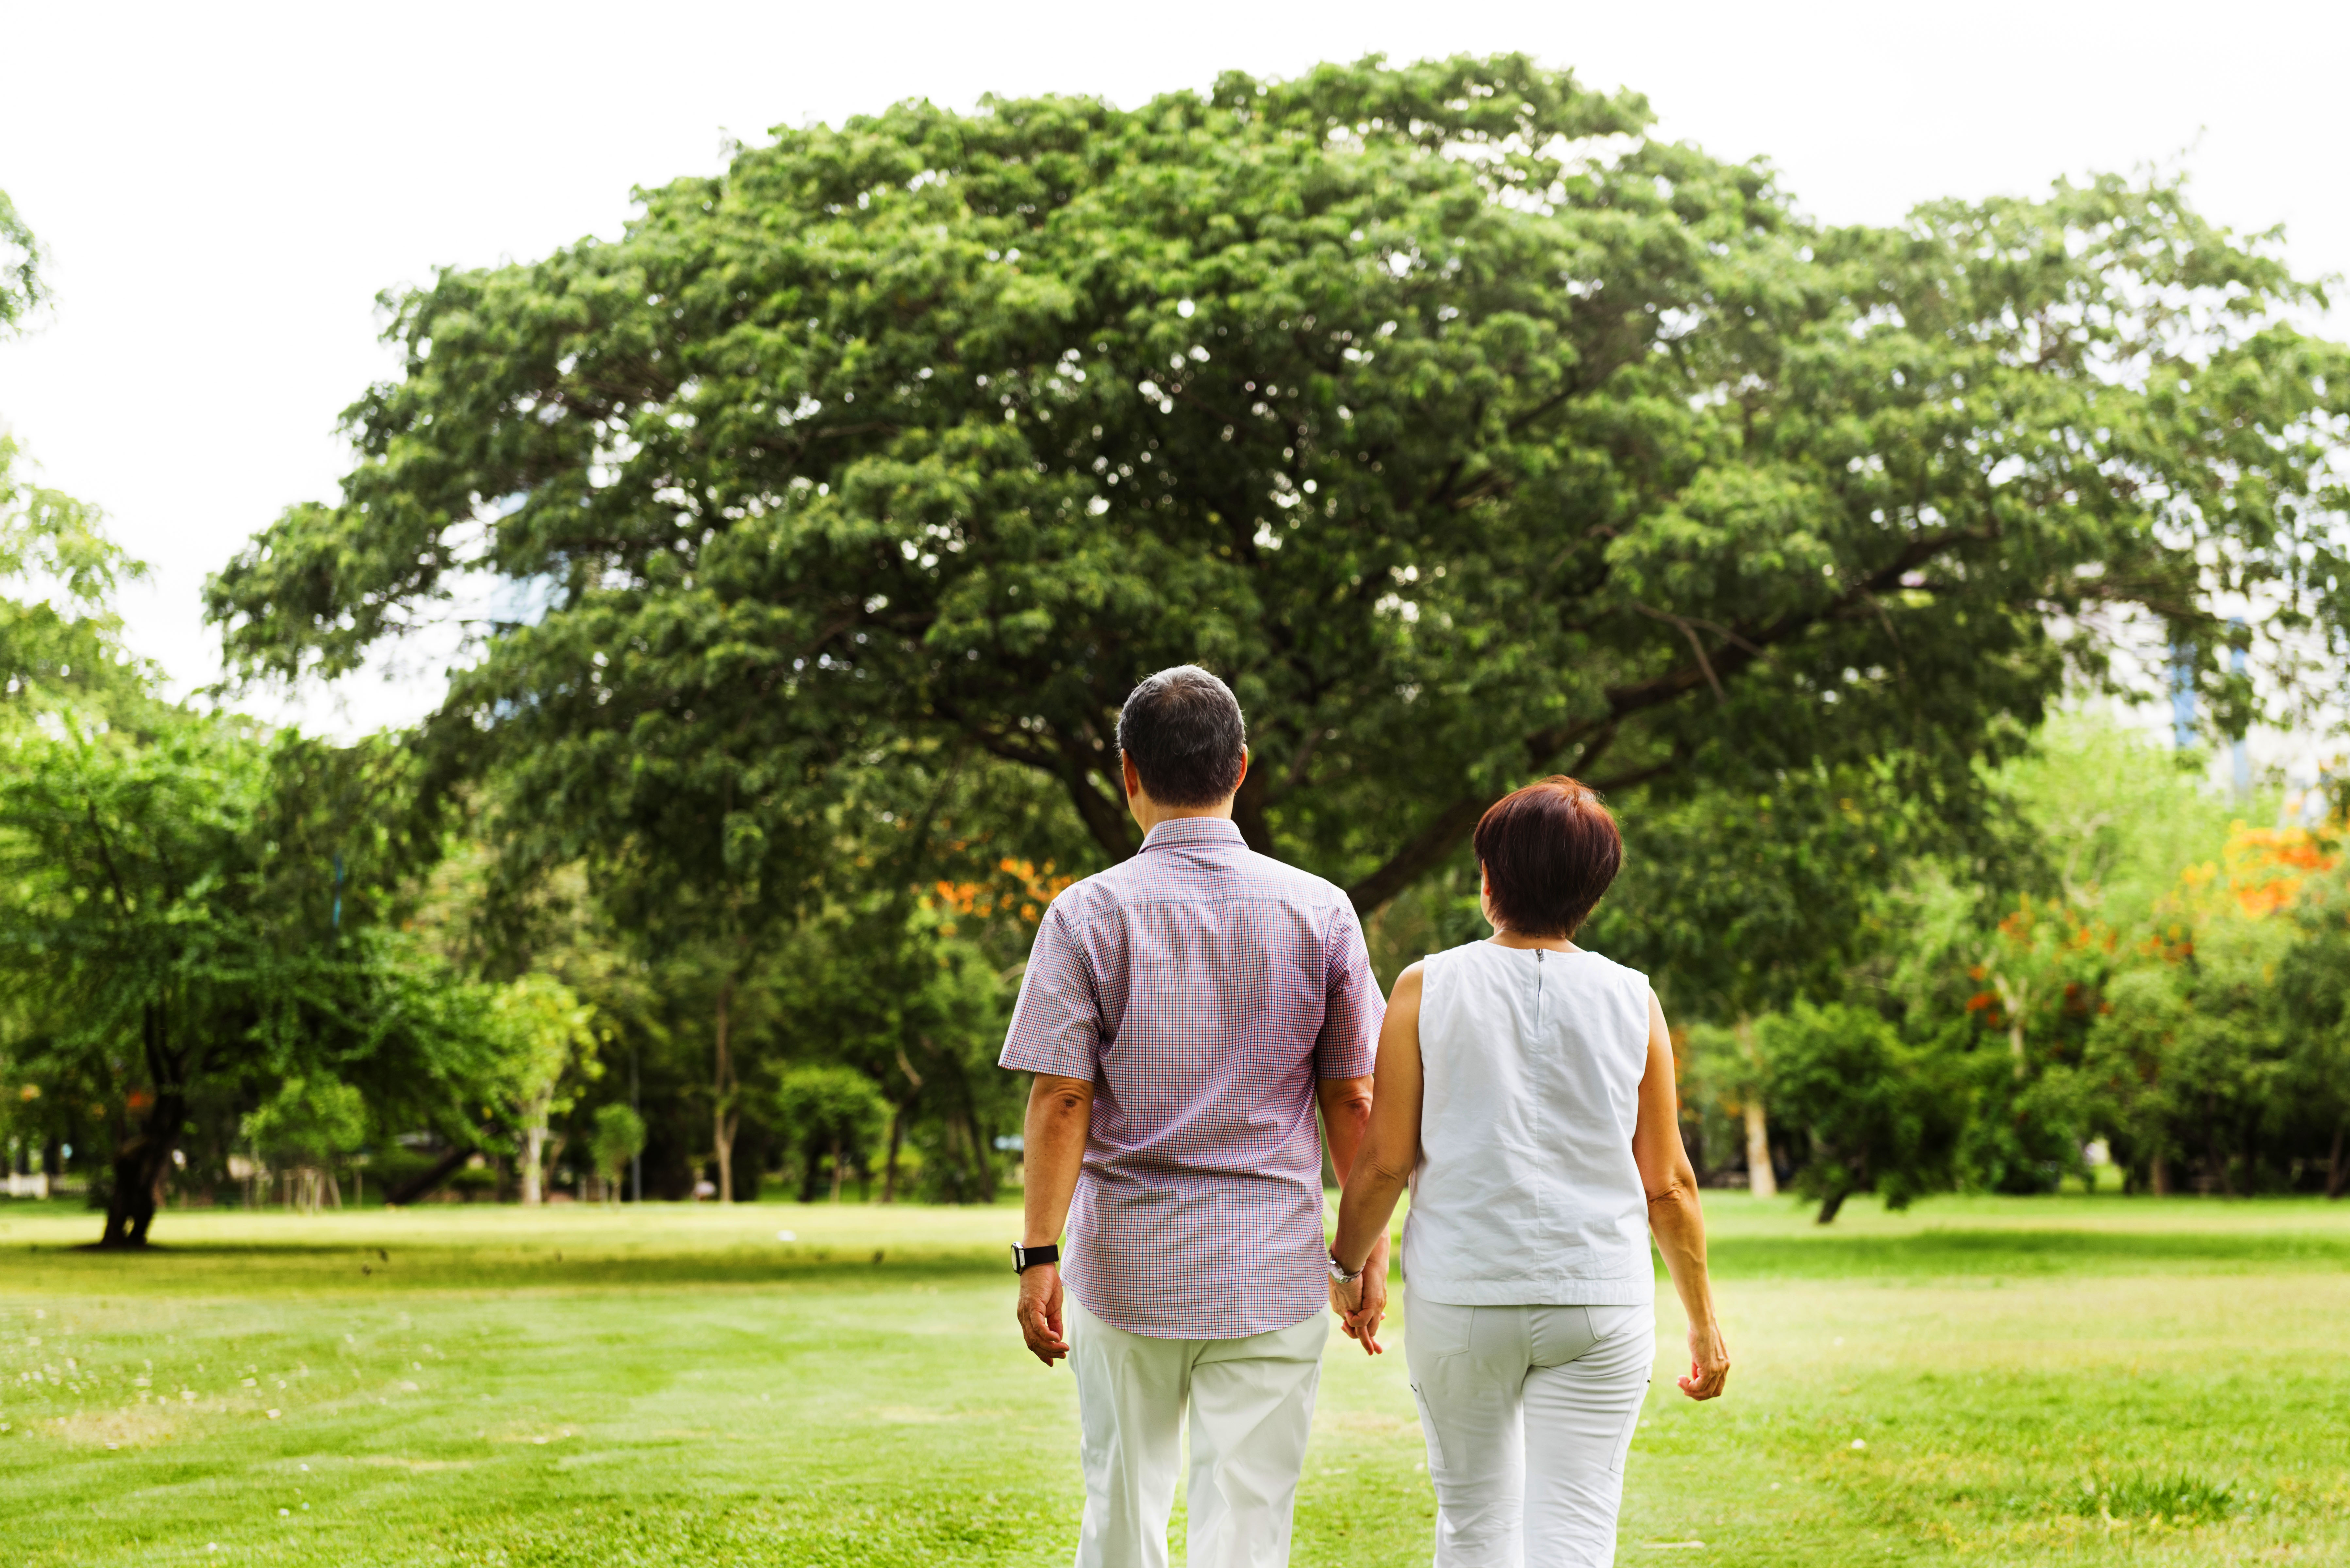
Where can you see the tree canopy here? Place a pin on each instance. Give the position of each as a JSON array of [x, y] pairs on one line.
[[177, 932], [1473, 431], [20, 267]]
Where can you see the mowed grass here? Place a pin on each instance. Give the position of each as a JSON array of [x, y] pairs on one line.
[[2042, 1381]]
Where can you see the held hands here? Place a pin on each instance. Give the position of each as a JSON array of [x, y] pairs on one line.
[[1039, 1312], [1361, 1303], [1708, 1362]]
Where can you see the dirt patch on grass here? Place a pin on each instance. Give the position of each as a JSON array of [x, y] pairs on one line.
[[134, 1427]]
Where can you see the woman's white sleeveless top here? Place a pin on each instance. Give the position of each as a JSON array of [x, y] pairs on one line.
[[1525, 1193]]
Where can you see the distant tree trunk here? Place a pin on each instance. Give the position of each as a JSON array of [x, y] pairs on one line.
[[983, 1169], [1830, 1204], [1761, 1180], [143, 1159], [534, 1153], [724, 1117], [840, 1165], [2158, 1173], [898, 1133], [422, 1184], [2214, 1156], [2011, 999], [140, 1164]]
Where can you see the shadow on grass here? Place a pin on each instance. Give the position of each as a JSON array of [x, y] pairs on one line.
[[239, 1269], [1960, 1252]]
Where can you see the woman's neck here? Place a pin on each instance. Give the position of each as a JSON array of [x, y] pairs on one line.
[[1509, 939]]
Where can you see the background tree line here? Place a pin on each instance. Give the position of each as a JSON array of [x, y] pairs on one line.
[[1470, 429]]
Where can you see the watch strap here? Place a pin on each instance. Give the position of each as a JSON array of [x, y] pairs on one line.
[[1026, 1258]]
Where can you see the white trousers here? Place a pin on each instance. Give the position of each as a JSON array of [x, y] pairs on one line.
[[1528, 1411], [1251, 1402]]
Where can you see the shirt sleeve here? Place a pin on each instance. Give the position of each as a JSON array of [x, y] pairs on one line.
[[1056, 1024], [1353, 1009]]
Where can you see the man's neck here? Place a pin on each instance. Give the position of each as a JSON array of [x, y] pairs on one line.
[[1148, 814]]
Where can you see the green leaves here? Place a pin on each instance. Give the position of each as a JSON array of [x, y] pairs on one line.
[[1472, 432], [1876, 1114], [20, 267], [193, 914], [62, 645]]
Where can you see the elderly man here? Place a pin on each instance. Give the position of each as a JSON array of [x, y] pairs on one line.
[[1183, 1013]]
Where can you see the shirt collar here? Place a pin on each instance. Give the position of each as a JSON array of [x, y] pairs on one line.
[[1182, 831]]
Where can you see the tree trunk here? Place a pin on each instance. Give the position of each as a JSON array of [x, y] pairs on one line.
[[1761, 1180], [422, 1184], [2012, 997], [2214, 1156], [839, 1159], [1830, 1204], [2337, 1172], [898, 1133], [723, 1119], [2158, 1173], [534, 1151], [140, 1163], [983, 1169]]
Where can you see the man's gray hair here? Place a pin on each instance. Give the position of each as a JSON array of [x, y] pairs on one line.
[[1182, 728]]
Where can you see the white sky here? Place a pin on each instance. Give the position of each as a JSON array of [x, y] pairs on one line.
[[224, 190]]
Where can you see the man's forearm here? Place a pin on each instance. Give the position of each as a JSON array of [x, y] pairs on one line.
[[1053, 1154], [1346, 1115]]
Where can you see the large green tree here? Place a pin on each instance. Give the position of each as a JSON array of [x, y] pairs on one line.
[[1473, 430], [197, 912]]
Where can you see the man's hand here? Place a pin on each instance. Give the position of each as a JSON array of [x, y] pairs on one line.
[[1060, 1113], [1039, 1312], [1708, 1362]]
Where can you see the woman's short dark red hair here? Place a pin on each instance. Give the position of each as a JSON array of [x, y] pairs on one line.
[[1549, 852]]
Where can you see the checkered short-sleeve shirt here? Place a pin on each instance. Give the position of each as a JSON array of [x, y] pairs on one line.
[[1203, 987]]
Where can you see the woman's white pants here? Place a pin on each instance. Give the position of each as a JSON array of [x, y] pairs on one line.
[[1528, 1412], [1251, 1403]]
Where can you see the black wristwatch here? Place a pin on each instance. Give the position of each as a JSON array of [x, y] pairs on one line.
[[1023, 1258]]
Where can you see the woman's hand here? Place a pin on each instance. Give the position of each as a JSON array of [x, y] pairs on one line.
[[1708, 1362], [1362, 1302]]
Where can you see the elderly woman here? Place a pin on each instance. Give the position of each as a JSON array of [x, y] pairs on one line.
[[1525, 1091]]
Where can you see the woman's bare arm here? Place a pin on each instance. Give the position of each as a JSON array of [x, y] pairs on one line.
[[1383, 1164], [1674, 1216]]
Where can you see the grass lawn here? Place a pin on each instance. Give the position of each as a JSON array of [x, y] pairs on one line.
[[2079, 1380]]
